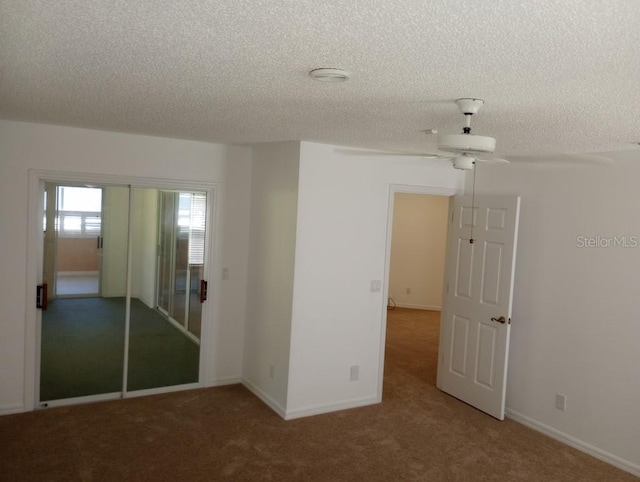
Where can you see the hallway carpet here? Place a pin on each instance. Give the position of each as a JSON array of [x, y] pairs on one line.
[[416, 434]]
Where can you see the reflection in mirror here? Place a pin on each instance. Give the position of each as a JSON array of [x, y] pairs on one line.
[[168, 230], [87, 234], [85, 267]]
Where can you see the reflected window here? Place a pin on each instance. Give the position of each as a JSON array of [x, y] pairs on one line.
[[79, 211]]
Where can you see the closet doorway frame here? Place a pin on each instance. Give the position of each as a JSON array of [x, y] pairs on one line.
[[35, 259]]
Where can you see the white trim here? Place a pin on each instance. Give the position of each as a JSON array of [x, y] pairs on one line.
[[11, 408], [331, 407], [33, 316], [220, 382], [173, 322], [78, 273], [127, 302], [76, 400], [213, 263], [574, 442], [81, 179], [159, 390], [393, 189], [419, 307], [270, 402]]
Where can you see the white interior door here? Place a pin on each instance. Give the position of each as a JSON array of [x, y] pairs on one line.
[[476, 316]]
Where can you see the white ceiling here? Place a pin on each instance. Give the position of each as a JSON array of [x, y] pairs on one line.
[[557, 76]]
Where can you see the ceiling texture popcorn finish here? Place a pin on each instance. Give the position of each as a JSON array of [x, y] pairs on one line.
[[555, 76]]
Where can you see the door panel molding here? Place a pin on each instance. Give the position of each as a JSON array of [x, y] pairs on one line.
[[487, 306]]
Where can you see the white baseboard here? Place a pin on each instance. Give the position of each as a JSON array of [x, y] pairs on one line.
[[103, 397], [11, 408], [271, 403], [179, 388], [419, 307], [78, 273], [575, 443], [331, 407], [220, 382], [160, 390]]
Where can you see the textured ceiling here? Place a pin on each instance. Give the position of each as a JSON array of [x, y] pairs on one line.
[[557, 76]]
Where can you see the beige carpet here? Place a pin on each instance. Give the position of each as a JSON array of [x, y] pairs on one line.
[[225, 433]]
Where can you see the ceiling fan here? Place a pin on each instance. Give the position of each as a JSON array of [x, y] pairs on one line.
[[466, 149]]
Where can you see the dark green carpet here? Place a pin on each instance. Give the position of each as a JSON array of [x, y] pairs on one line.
[[82, 349]]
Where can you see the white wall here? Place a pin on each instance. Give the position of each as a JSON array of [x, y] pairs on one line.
[[115, 234], [341, 247], [25, 146], [576, 312], [274, 198], [145, 242], [418, 248]]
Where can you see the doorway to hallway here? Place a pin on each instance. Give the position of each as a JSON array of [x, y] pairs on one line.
[[416, 275]]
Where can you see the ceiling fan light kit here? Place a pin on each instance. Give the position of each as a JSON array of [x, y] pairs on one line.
[[465, 163]]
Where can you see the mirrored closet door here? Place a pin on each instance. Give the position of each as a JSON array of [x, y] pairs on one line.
[[136, 324]]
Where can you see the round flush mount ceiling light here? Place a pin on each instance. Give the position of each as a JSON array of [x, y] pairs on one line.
[[329, 75]]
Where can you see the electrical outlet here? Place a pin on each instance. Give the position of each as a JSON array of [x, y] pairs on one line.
[[271, 371], [561, 401], [354, 373], [408, 291]]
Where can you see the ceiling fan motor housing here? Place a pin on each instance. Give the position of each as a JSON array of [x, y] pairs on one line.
[[469, 106], [460, 143]]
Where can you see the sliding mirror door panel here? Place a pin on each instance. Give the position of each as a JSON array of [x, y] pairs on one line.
[[85, 233], [167, 235]]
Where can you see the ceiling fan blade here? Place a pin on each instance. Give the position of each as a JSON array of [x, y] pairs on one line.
[[491, 159], [367, 152], [562, 159]]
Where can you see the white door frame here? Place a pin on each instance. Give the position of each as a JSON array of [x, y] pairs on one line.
[[393, 189], [210, 312]]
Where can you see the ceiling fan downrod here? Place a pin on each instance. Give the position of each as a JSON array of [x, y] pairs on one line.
[[468, 107]]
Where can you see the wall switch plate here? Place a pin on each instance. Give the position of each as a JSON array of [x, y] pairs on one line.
[[408, 291], [225, 273], [376, 285], [354, 373], [561, 401]]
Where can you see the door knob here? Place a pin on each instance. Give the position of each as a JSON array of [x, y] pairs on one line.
[[500, 320]]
